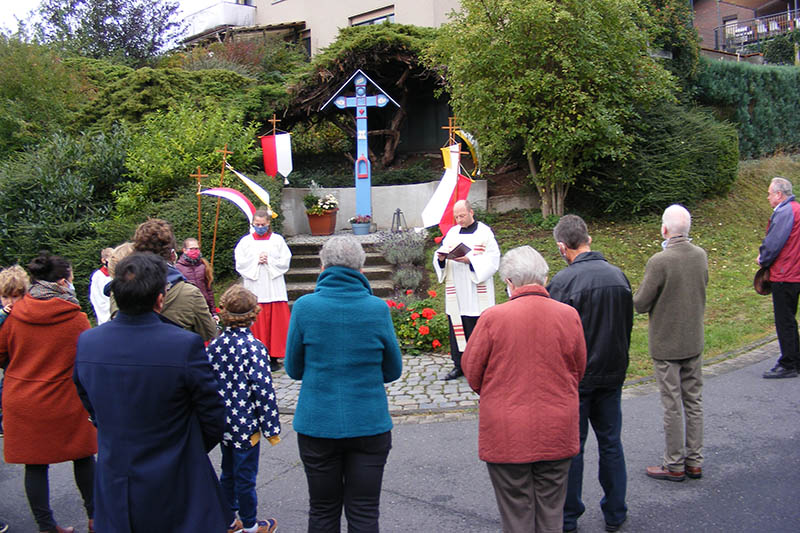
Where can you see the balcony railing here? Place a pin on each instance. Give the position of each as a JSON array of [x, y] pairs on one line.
[[229, 13], [739, 33]]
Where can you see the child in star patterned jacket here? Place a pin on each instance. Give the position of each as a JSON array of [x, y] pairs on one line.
[[241, 364]]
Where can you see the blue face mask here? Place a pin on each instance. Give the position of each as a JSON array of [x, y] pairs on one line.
[[261, 230]]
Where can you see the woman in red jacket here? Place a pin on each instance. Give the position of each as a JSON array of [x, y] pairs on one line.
[[44, 419], [525, 358]]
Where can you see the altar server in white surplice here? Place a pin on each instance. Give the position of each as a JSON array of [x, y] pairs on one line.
[[262, 258], [469, 279]]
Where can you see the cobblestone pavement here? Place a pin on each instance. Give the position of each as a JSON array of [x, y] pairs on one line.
[[421, 396]]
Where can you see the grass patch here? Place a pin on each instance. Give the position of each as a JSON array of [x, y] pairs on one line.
[[729, 228]]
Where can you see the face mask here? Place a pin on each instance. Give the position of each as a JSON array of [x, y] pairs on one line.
[[261, 230], [193, 254], [71, 287], [664, 244]]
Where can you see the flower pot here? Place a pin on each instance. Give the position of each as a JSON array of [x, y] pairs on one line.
[[361, 228], [324, 224]]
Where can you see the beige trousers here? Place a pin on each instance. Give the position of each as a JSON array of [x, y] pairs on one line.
[[681, 385], [530, 496]]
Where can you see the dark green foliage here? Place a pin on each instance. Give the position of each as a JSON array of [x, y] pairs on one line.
[[145, 90], [57, 196], [760, 100], [535, 219], [674, 32], [779, 50], [38, 94], [390, 54], [679, 156]]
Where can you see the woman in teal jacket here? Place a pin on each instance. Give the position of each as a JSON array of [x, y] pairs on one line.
[[343, 347]]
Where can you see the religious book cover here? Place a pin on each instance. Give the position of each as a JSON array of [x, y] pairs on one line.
[[459, 251]]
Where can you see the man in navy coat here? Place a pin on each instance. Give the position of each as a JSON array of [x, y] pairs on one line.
[[152, 394]]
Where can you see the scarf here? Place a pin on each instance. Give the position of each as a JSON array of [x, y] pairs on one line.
[[47, 290]]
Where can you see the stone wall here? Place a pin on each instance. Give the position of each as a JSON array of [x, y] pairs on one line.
[[411, 199]]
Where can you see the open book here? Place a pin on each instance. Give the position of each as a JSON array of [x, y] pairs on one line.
[[459, 251]]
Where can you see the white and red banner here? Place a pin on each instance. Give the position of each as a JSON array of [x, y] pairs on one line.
[[453, 187], [232, 195], [277, 154]]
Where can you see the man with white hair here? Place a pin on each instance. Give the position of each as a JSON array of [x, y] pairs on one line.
[[468, 278], [673, 292], [262, 258], [780, 251], [525, 360]]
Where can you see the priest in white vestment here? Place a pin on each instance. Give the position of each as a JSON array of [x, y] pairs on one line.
[[262, 258], [468, 279]]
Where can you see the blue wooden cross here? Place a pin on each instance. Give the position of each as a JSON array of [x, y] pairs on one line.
[[363, 169]]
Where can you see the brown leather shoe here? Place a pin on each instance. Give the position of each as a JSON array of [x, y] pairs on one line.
[[694, 472], [659, 472], [91, 526]]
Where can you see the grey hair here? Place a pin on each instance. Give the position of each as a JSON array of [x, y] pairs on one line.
[[781, 185], [342, 250], [677, 220], [524, 266], [572, 231]]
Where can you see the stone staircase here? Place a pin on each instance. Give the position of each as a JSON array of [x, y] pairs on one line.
[[305, 267]]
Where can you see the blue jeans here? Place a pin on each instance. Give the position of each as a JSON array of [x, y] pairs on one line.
[[602, 408], [238, 480]]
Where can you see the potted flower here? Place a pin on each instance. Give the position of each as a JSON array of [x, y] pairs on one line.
[[321, 211], [361, 224]]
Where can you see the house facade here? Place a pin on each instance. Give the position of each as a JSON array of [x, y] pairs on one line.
[[315, 23], [731, 25]]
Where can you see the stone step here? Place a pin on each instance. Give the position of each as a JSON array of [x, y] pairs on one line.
[[312, 261], [380, 288], [313, 248], [300, 275]]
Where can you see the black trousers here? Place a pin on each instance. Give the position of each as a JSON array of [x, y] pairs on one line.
[[469, 324], [784, 305], [345, 472], [37, 488]]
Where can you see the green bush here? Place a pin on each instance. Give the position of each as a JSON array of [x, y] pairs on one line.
[[760, 100], [534, 218], [405, 247], [169, 146], [679, 156], [38, 94], [779, 50], [57, 196]]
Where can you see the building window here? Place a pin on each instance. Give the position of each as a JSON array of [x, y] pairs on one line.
[[376, 16]]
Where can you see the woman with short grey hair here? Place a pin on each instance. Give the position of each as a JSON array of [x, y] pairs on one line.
[[523, 266], [343, 347], [343, 251], [525, 359]]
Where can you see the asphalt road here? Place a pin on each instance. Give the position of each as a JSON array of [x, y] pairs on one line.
[[434, 481]]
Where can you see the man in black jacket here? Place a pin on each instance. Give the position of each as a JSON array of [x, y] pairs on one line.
[[602, 296]]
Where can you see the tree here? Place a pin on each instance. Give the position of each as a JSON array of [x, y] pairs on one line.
[[127, 31], [390, 54], [674, 32], [556, 79]]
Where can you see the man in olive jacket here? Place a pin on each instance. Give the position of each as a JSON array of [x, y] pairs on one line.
[[673, 292], [602, 295]]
